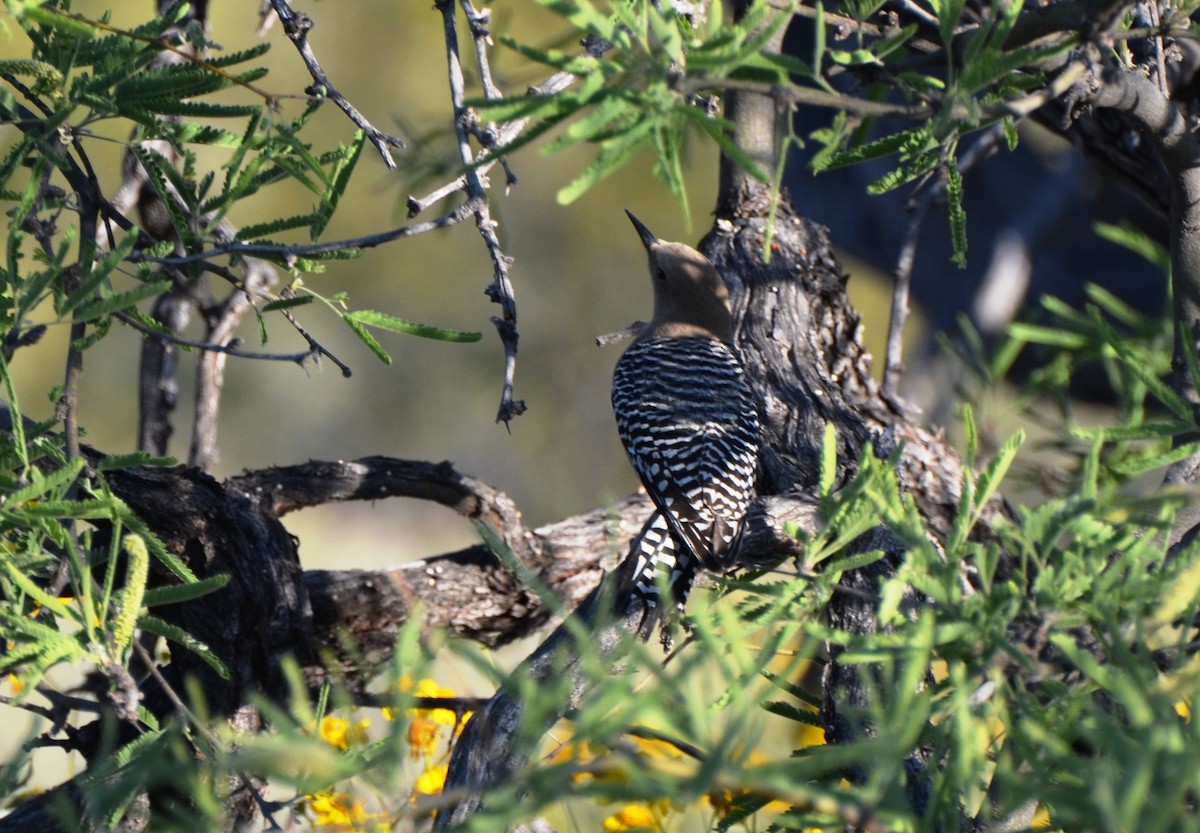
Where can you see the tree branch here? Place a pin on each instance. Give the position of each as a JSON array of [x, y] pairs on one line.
[[501, 290], [222, 322], [287, 252], [296, 26]]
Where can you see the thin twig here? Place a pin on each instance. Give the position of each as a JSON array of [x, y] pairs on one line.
[[168, 690], [68, 404], [315, 346], [1160, 64], [893, 363], [289, 252], [501, 289], [230, 349], [502, 137], [296, 26], [920, 206]]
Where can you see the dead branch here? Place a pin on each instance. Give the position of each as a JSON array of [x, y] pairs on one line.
[[296, 26]]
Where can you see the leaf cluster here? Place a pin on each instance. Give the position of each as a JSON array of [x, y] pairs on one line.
[[1029, 656], [654, 84]]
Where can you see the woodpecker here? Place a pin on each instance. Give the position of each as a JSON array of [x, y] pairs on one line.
[[688, 420]]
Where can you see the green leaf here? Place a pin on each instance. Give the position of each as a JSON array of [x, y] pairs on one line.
[[339, 179], [670, 168], [77, 26], [41, 485], [37, 69], [971, 434], [197, 109], [845, 563], [920, 165], [958, 214], [159, 172], [886, 146], [1117, 308], [854, 57], [1125, 234], [176, 634], [819, 43], [1137, 366], [171, 81], [17, 420], [240, 57], [179, 593], [275, 226], [1011, 136], [993, 473], [580, 65], [155, 545], [101, 269], [367, 339], [1139, 464], [790, 711], [615, 153], [521, 106], [122, 300], [583, 15], [1133, 433], [948, 13], [721, 132], [1049, 336], [94, 336], [26, 586], [383, 321], [828, 460], [613, 112], [994, 66]]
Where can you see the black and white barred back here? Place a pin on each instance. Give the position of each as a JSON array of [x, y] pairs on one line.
[[690, 426]]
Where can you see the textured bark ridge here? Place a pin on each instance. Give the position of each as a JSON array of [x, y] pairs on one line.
[[800, 340]]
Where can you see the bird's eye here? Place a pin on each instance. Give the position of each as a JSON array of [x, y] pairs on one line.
[[661, 274]]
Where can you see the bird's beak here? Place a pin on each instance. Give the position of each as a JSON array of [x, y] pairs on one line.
[[648, 238]]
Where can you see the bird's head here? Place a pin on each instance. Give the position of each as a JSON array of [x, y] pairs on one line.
[[690, 298]]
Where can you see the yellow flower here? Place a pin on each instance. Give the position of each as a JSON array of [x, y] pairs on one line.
[[335, 809], [1184, 710], [430, 689], [426, 727], [15, 684], [432, 780], [632, 817], [1041, 819], [341, 733], [426, 688], [422, 736]]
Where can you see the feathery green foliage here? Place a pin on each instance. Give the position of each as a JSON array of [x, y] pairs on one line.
[[1031, 657]]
